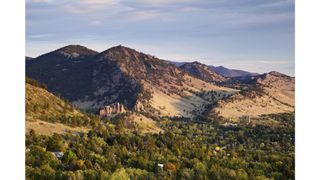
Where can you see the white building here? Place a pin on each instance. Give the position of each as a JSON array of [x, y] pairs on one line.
[[160, 165], [58, 154]]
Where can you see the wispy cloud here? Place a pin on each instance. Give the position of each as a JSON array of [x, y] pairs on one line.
[[76, 6], [39, 36], [40, 1], [87, 6], [141, 15], [280, 3], [270, 61], [95, 22]]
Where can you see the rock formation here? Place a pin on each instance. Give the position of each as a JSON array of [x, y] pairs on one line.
[[115, 108]]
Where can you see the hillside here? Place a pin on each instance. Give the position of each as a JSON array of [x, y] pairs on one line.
[[46, 113], [202, 72], [139, 81], [269, 93]]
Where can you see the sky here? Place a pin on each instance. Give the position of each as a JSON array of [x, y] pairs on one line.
[[253, 35]]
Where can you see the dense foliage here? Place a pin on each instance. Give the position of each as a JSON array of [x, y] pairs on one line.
[[187, 150]]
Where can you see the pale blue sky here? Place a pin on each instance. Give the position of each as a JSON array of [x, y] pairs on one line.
[[254, 35]]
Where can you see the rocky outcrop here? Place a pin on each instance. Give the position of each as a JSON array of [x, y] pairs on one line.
[[115, 108], [139, 106]]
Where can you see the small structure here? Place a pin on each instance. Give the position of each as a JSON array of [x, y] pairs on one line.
[[160, 165], [228, 124], [58, 154]]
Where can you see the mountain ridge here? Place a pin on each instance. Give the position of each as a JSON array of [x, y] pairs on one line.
[[149, 85], [120, 74]]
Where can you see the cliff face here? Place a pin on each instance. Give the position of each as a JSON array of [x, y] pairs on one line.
[[115, 108]]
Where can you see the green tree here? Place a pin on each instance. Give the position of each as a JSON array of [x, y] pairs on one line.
[[120, 174]]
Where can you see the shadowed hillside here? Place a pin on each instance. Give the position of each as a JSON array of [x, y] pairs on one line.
[[139, 81]]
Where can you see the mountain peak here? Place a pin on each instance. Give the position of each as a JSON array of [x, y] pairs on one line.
[[125, 54], [277, 74], [120, 49], [75, 51], [195, 62]]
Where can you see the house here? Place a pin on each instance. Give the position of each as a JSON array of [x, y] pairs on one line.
[[160, 165], [58, 154], [227, 124]]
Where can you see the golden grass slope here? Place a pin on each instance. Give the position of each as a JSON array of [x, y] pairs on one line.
[[145, 124], [40, 105], [47, 128], [182, 100], [274, 93]]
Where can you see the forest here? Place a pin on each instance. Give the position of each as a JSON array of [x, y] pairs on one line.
[[186, 150]]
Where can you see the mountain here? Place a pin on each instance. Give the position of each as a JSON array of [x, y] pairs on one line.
[[269, 93], [65, 71], [202, 72], [231, 72], [123, 75], [155, 87]]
